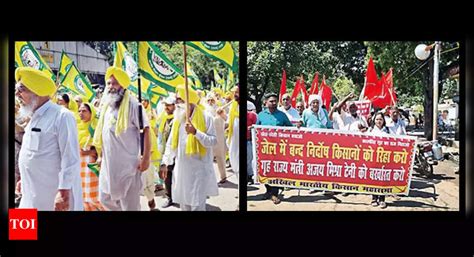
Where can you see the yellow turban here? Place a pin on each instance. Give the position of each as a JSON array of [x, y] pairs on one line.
[[193, 146], [120, 75], [193, 95], [218, 91], [35, 80]]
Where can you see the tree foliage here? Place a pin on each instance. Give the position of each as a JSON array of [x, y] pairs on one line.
[[344, 64]]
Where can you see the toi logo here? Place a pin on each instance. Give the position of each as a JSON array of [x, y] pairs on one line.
[[23, 224]]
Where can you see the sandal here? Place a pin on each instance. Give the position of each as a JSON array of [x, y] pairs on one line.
[[275, 199]]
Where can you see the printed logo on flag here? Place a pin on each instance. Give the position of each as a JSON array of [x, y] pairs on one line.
[[160, 67], [130, 66], [23, 224], [79, 84], [213, 45], [29, 58]]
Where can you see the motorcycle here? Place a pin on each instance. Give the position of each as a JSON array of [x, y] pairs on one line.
[[424, 159]]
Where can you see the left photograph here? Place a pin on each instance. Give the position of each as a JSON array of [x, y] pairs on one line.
[[126, 125]]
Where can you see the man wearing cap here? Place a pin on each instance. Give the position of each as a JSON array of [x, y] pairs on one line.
[[164, 131], [315, 116], [191, 142], [117, 140], [291, 112], [49, 159]]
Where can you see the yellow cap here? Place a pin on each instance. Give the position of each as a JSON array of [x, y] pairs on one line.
[[193, 96], [35, 80], [120, 75]]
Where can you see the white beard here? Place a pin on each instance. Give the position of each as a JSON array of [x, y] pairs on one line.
[[211, 109], [180, 112], [113, 99], [26, 111]]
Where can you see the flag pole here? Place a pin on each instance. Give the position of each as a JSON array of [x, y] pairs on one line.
[[391, 96], [363, 89], [186, 82], [140, 113]]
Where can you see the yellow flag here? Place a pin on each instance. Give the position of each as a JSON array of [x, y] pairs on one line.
[[152, 92], [124, 60], [27, 56], [156, 67], [77, 83], [195, 79], [64, 65], [230, 81], [218, 50]]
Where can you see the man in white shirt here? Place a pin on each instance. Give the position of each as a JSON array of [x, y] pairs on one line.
[[117, 137], [291, 112], [395, 124], [49, 159], [190, 145], [351, 121]]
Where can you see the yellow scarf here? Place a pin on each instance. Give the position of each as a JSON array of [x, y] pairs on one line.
[[234, 113], [86, 129], [164, 117], [193, 146], [120, 126]]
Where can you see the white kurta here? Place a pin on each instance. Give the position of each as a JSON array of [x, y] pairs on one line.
[[397, 128], [292, 114], [234, 147], [121, 155], [49, 160], [193, 176], [351, 123]]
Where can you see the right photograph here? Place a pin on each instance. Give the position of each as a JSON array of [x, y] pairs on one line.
[[353, 125]]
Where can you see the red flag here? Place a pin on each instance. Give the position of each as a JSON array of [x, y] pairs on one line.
[[382, 99], [282, 86], [371, 86], [299, 87], [305, 93], [390, 88], [296, 90], [326, 94], [314, 85]]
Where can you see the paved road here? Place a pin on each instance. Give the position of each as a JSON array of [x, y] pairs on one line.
[[227, 200]]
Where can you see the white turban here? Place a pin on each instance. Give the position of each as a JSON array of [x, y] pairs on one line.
[[315, 97], [171, 99], [250, 106], [321, 113]]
